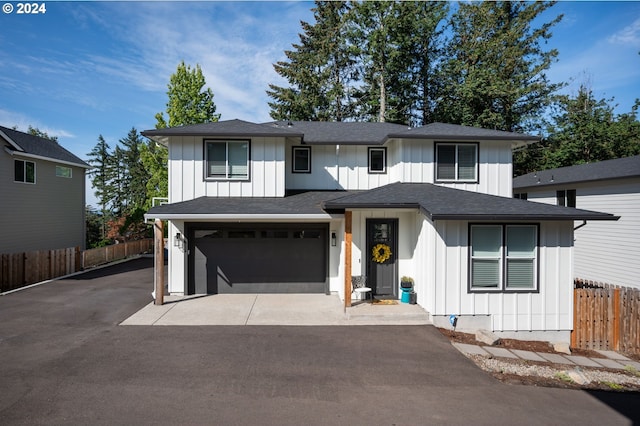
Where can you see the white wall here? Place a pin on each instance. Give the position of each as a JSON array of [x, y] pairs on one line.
[[346, 167], [186, 171], [442, 278], [605, 251]]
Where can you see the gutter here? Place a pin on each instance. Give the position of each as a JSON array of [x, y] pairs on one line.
[[241, 217]]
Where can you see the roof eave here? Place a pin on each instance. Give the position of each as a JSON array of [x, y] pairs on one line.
[[505, 217], [239, 217]]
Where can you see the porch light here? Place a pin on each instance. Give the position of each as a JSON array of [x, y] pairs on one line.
[[334, 239], [177, 240]]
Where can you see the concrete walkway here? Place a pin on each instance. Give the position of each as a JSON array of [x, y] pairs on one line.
[[612, 359], [274, 309]]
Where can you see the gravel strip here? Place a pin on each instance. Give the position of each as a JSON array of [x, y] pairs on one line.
[[582, 376]]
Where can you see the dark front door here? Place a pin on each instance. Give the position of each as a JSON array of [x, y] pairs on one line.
[[382, 252]]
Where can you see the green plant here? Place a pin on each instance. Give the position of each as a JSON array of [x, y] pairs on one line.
[[632, 370], [406, 279], [613, 386], [561, 375]]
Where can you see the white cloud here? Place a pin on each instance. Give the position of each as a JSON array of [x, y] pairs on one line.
[[13, 119], [629, 35]]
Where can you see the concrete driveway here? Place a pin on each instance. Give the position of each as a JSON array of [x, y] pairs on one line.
[[65, 360]]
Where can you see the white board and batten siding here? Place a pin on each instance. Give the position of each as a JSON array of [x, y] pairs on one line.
[[187, 168], [411, 161], [442, 281]]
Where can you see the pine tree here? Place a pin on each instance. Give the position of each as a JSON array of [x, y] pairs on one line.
[[137, 177], [101, 175], [318, 70], [495, 69]]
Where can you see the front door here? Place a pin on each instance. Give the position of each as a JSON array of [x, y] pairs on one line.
[[382, 252]]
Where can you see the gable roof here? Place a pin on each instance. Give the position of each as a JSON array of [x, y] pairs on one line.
[[603, 170], [337, 133], [443, 203], [38, 147]]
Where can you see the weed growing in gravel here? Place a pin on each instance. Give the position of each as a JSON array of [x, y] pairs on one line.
[[632, 370], [613, 386], [561, 375]]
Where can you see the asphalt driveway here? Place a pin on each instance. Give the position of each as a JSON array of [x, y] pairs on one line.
[[65, 360]]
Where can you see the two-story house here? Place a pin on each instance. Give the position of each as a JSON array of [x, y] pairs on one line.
[[42, 191], [605, 252], [304, 206]]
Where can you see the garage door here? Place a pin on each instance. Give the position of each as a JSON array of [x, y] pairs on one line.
[[258, 258]]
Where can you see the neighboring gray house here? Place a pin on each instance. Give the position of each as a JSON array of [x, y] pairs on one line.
[[42, 191], [606, 252], [305, 206]]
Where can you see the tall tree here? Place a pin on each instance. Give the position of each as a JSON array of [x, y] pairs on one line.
[[101, 176], [189, 102], [582, 129], [495, 68], [135, 185], [318, 70]]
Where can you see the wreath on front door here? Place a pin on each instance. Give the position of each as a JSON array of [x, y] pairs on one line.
[[381, 253]]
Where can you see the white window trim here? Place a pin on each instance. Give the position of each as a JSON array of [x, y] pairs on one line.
[[24, 172], [457, 164]]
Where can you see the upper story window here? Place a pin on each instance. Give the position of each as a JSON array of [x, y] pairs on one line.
[[503, 257], [377, 160], [62, 171], [457, 162], [566, 198], [227, 160], [24, 171], [301, 159], [521, 195]]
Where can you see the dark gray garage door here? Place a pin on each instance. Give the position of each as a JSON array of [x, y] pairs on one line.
[[258, 258]]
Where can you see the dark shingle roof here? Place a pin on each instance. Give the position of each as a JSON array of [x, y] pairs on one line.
[[436, 202], [442, 203], [334, 133], [307, 203], [347, 133], [443, 131], [231, 128], [42, 147], [604, 170]]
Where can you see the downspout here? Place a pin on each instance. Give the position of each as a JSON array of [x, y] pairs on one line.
[[584, 222], [337, 166]]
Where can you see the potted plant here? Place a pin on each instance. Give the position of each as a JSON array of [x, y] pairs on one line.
[[406, 282]]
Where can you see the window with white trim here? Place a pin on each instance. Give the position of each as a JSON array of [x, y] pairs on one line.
[[24, 171], [62, 171], [503, 257], [227, 160], [457, 162], [301, 159], [377, 160]]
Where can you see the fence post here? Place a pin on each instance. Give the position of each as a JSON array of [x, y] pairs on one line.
[[616, 319]]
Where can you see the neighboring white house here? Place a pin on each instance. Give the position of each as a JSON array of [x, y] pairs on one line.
[[304, 206], [42, 194], [605, 252]]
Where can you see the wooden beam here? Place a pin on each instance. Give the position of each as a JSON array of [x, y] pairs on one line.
[[159, 262], [347, 258]]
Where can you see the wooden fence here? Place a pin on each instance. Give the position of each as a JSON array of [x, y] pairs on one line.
[[102, 255], [606, 317], [22, 269]]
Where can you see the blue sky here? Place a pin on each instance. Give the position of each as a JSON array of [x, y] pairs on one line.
[[88, 68]]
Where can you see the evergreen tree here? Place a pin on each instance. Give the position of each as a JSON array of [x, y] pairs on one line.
[[494, 74], [101, 176], [135, 186], [318, 70]]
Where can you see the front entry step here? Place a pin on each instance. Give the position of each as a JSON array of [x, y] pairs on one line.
[[401, 314]]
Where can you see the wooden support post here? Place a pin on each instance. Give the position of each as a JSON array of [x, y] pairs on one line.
[[347, 258], [574, 331], [159, 261]]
